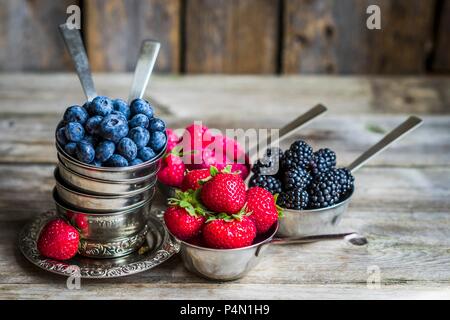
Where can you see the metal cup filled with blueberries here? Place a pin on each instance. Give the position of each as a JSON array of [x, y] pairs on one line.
[[109, 155]]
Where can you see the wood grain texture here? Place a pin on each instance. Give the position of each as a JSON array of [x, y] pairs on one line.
[[115, 29], [401, 202], [29, 37], [441, 59], [408, 236], [231, 36], [324, 36], [52, 93]]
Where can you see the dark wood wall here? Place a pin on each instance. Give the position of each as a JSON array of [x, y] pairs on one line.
[[233, 36]]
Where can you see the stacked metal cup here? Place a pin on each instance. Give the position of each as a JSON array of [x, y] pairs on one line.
[[108, 205]]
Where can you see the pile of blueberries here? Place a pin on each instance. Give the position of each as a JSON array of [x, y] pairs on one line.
[[304, 179], [111, 133]]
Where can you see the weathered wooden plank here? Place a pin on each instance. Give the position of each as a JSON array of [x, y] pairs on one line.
[[115, 29], [208, 96], [331, 37], [237, 36], [349, 136], [408, 232], [29, 37], [441, 61]]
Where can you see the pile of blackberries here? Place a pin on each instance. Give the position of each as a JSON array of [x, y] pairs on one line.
[[303, 179], [111, 133]]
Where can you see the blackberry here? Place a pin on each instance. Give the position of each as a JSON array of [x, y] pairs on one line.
[[270, 163], [270, 183], [296, 178], [299, 154], [345, 180], [322, 161], [296, 199], [324, 190]]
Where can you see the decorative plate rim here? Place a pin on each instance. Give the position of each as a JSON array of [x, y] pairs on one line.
[[27, 245]]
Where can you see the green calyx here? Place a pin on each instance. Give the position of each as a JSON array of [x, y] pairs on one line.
[[279, 209], [213, 171], [189, 201], [229, 217]]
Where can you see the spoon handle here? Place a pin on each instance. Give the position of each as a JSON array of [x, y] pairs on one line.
[[411, 123], [74, 43], [291, 127], [352, 237], [144, 67]]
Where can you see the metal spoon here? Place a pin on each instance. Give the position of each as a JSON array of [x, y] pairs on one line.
[[351, 237], [144, 67], [74, 43]]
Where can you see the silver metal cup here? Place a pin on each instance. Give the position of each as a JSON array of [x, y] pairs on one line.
[[103, 187], [100, 203], [224, 264], [122, 174]]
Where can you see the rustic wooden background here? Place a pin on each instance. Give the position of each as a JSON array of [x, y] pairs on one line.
[[233, 36]]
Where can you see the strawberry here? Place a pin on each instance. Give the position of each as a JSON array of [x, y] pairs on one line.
[[192, 178], [224, 192], [262, 206], [199, 136], [229, 233], [58, 240], [185, 216], [172, 140], [172, 169]]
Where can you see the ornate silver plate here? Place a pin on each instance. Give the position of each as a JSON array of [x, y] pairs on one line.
[[158, 248]]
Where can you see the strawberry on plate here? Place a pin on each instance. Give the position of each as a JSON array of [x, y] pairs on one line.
[[262, 206], [226, 232], [58, 240], [224, 192], [185, 216], [192, 178], [172, 169]]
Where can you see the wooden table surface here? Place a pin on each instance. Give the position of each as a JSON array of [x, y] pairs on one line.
[[402, 200]]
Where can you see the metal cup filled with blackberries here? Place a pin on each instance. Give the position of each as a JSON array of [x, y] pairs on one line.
[[312, 191]]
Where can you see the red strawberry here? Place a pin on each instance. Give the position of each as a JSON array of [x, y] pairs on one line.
[[235, 233], [192, 178], [185, 216], [224, 192], [199, 135], [58, 240], [172, 170], [264, 211], [172, 140]]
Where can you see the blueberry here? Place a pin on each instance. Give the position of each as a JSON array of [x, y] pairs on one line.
[[92, 125], [114, 127], [74, 131], [101, 106], [117, 160], [61, 136], [157, 140], [146, 153], [70, 148], [139, 120], [156, 125], [127, 148], [104, 150], [90, 139], [122, 107], [85, 152], [76, 114], [140, 136], [135, 162], [141, 106], [96, 163]]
